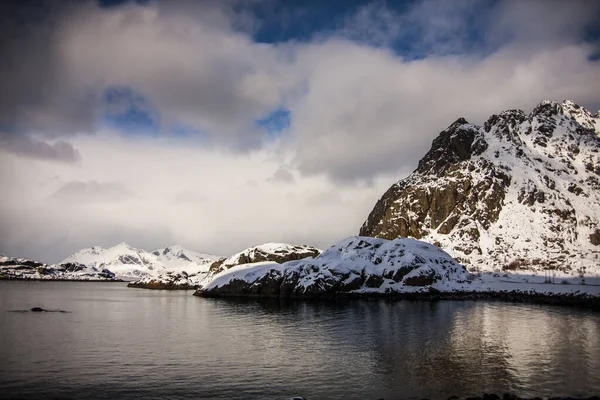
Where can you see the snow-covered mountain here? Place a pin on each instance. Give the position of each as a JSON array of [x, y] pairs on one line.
[[274, 252], [177, 259], [23, 268], [520, 192], [129, 263], [373, 266]]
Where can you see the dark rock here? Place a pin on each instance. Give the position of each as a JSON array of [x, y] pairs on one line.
[[487, 396], [595, 238], [374, 281], [37, 309], [420, 280]]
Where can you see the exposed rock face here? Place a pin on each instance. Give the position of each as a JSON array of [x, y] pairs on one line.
[[520, 188], [355, 265], [22, 268]]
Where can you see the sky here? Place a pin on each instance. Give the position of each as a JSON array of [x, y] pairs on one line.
[[220, 125]]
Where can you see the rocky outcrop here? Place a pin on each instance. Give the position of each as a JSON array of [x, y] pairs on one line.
[[521, 188], [276, 252], [355, 265], [168, 281]]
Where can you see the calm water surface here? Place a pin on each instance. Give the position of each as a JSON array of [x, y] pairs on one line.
[[117, 342]]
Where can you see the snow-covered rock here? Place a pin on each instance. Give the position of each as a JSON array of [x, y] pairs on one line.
[[520, 192], [277, 252], [170, 280], [132, 264], [23, 268], [357, 264], [369, 266]]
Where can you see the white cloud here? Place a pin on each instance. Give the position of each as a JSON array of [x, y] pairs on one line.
[[131, 198], [361, 116]]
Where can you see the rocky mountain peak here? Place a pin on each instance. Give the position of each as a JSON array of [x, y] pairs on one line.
[[521, 187], [451, 146]]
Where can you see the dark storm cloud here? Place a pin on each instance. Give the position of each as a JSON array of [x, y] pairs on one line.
[[36, 91], [193, 60], [25, 146]]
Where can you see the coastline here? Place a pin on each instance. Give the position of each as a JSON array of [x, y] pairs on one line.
[[160, 286], [4, 278], [580, 301]]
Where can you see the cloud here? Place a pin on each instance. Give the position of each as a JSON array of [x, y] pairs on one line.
[[367, 111], [188, 196], [94, 205], [91, 192], [25, 146], [345, 113], [282, 175]]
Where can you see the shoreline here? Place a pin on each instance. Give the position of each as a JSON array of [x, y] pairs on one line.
[[2, 278], [580, 301], [160, 286], [571, 300]]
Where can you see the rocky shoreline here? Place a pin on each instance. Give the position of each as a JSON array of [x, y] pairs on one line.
[[160, 286], [582, 301], [505, 396]]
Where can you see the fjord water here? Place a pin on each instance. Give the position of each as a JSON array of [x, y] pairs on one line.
[[118, 342]]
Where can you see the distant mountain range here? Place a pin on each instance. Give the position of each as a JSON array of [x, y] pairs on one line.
[[129, 263], [170, 267]]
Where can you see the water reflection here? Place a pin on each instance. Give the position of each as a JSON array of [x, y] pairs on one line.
[[120, 342]]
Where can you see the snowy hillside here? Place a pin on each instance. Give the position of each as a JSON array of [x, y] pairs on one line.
[[521, 192], [23, 268], [355, 264], [372, 266], [129, 263]]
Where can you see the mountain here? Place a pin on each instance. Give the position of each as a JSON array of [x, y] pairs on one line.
[[355, 264], [520, 192], [23, 268], [274, 252], [129, 263], [177, 259]]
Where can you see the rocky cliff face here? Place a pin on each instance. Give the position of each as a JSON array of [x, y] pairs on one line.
[[521, 191]]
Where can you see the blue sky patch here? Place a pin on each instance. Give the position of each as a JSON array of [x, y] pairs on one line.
[[129, 112], [276, 122]]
